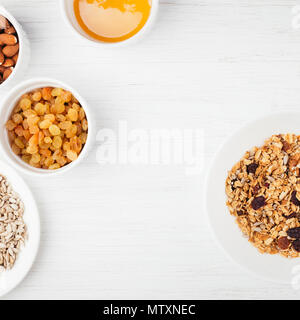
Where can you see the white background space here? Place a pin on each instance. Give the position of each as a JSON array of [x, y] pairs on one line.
[[140, 232]]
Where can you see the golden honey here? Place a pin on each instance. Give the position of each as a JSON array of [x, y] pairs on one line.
[[112, 20]]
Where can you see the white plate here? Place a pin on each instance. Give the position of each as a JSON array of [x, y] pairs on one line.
[[10, 279], [228, 234]]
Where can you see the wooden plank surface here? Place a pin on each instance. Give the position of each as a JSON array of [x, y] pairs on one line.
[[140, 232]]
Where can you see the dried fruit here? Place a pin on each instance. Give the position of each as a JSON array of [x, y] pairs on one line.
[[258, 202], [294, 199], [285, 146], [296, 245], [72, 155], [46, 129], [294, 233], [73, 115], [256, 189], [283, 243], [251, 168], [54, 130]]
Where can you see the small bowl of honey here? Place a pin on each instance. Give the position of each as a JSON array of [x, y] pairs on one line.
[[110, 22]]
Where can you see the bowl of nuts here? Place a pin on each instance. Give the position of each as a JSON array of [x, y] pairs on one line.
[[14, 49], [45, 127]]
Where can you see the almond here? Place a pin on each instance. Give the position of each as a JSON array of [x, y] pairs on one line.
[[15, 58], [8, 63], [1, 57], [8, 39], [3, 22], [10, 51], [10, 30], [2, 69], [7, 73]]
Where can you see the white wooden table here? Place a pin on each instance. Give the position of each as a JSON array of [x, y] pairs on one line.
[[139, 232]]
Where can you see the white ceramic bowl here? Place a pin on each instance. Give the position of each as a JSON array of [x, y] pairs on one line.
[[6, 109], [24, 53], [69, 17], [228, 234], [11, 278]]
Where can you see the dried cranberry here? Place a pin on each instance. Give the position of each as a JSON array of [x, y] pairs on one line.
[[267, 185], [294, 233], [283, 243], [296, 245], [241, 213], [286, 146], [258, 202], [256, 189], [294, 199], [251, 168]]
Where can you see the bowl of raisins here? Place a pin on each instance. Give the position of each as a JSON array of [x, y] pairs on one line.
[[45, 127]]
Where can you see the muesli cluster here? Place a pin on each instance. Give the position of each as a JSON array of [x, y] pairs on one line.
[[263, 191], [12, 226]]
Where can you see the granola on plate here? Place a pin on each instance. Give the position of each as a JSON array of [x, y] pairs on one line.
[[263, 193]]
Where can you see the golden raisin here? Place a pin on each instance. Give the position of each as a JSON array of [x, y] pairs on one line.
[[19, 143], [54, 166], [46, 94], [35, 158], [71, 132], [56, 92], [84, 124], [73, 115], [54, 130], [47, 140], [34, 129], [25, 104], [37, 96], [29, 113], [15, 149], [40, 109], [19, 131], [31, 149], [17, 118], [50, 117], [47, 128], [57, 142], [45, 124], [65, 125], [10, 125], [72, 155]]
